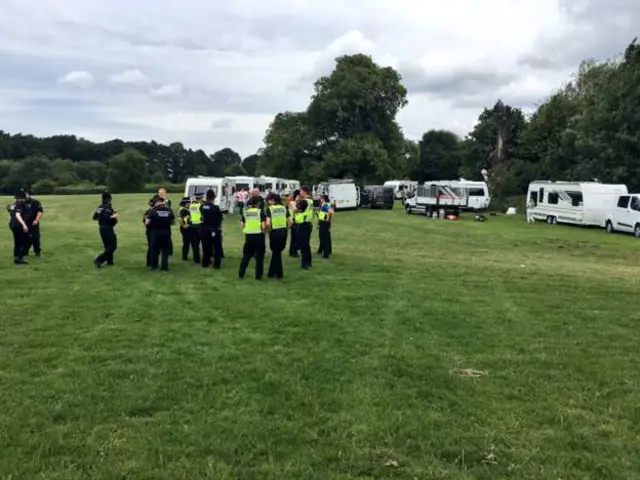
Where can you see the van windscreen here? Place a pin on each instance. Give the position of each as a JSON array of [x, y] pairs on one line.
[[202, 190]]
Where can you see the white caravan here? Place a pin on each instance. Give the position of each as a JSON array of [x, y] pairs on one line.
[[574, 203], [476, 193], [624, 216], [400, 185], [243, 181], [223, 187], [290, 186], [343, 194]]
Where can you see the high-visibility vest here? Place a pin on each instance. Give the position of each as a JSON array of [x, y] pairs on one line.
[[194, 210], [278, 217], [323, 216], [252, 222]]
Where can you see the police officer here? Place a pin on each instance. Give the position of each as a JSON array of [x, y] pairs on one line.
[[196, 224], [159, 221], [278, 221], [107, 219], [253, 225], [325, 218], [33, 214], [303, 216], [293, 242], [147, 232], [185, 227], [211, 231], [19, 228], [162, 193]]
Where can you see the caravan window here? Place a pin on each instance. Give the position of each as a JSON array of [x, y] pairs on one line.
[[476, 192], [623, 202], [552, 198], [242, 186], [635, 204], [269, 186], [541, 195], [576, 198], [201, 190]]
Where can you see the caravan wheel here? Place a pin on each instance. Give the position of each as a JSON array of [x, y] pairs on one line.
[[551, 220]]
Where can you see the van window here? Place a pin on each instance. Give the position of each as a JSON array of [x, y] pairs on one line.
[[623, 202], [201, 190], [242, 186], [541, 195], [635, 204], [269, 186], [552, 198], [476, 192]]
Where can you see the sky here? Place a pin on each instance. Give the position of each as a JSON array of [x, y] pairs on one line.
[[213, 74]]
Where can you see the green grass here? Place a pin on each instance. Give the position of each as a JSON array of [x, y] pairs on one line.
[[342, 372]]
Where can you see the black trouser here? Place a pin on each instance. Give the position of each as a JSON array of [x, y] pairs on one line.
[[20, 242], [293, 243], [196, 240], [304, 243], [324, 237], [160, 247], [170, 246], [148, 234], [211, 247], [110, 243], [277, 243], [186, 241], [253, 247], [33, 239]]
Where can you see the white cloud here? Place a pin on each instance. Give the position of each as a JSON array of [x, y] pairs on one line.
[[214, 74], [129, 77], [77, 78]]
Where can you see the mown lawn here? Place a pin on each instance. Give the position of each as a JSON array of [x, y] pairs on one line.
[[346, 371]]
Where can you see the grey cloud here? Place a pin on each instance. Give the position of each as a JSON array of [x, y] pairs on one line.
[[457, 81], [222, 124], [523, 99], [599, 29]]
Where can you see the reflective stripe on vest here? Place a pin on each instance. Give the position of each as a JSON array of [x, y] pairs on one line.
[[252, 223], [309, 210], [323, 216], [196, 216], [278, 217]]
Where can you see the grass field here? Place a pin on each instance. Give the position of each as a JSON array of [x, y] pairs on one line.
[[347, 371]]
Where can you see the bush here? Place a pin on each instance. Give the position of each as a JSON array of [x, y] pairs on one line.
[[169, 187], [44, 187], [84, 188]]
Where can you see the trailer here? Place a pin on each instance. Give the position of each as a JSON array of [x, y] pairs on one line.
[[476, 193], [223, 187], [573, 203], [343, 194], [432, 199]]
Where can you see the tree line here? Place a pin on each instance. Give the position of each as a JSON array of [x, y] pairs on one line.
[[589, 128]]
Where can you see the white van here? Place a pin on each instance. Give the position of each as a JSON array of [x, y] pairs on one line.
[[223, 187], [343, 194], [625, 215], [400, 186]]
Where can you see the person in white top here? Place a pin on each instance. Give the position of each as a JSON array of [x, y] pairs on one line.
[[530, 206]]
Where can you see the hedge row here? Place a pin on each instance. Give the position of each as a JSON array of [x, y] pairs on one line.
[[48, 187]]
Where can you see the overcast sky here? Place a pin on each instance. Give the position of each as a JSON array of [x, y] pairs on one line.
[[212, 74]]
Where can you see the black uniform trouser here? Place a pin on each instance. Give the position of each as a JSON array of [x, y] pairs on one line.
[[277, 244], [148, 234], [160, 248], [211, 247], [293, 243], [254, 247], [110, 244], [34, 239], [170, 246], [324, 238], [186, 241], [304, 243], [196, 240], [20, 242]]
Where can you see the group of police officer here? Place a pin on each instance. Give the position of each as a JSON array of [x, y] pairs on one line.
[[24, 221], [200, 221]]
